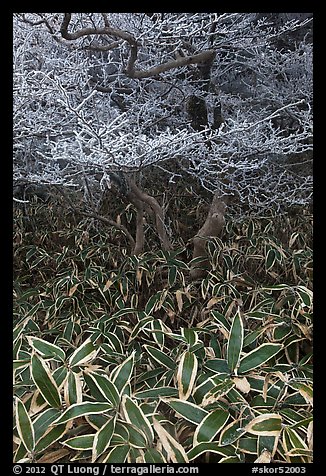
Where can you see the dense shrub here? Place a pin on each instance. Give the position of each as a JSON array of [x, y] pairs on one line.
[[124, 358]]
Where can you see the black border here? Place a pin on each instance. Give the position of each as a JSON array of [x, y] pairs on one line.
[[6, 202]]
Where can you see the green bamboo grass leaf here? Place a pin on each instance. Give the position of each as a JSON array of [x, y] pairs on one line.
[[102, 439], [42, 423], [52, 435], [106, 388], [80, 443], [190, 336], [268, 443], [210, 426], [24, 426], [158, 332], [210, 448], [258, 357], [157, 393], [83, 354], [21, 363], [219, 366], [172, 276], [121, 375], [267, 424], [93, 387], [81, 409], [235, 342], [187, 410], [137, 437], [73, 389], [45, 382], [220, 319], [160, 357], [305, 390], [186, 374], [118, 454], [60, 375], [175, 452], [231, 433], [305, 294], [202, 390], [142, 324], [46, 349], [270, 259], [219, 389], [134, 415], [152, 455], [248, 445]]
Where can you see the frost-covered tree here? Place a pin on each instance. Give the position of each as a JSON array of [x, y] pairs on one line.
[[225, 99]]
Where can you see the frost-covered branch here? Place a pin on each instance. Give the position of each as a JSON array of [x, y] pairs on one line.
[[97, 93]]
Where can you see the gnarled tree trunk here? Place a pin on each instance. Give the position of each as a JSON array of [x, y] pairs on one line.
[[212, 227]]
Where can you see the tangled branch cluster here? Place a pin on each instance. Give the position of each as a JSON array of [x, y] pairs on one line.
[[95, 93]]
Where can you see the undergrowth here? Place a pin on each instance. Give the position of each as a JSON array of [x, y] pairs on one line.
[[123, 358]]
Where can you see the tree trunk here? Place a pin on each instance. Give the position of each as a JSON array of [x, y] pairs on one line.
[[212, 227]]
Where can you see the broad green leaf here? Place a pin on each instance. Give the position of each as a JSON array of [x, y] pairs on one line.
[[113, 342], [81, 409], [175, 452], [267, 424], [133, 414], [80, 443], [295, 439], [157, 392], [158, 332], [93, 387], [202, 390], [60, 375], [160, 357], [73, 389], [172, 276], [102, 439], [186, 374], [152, 303], [143, 323], [270, 259], [105, 387], [118, 454], [52, 435], [267, 443], [83, 354], [258, 357], [45, 382], [20, 453], [121, 375], [305, 391], [210, 426], [24, 426], [220, 366], [44, 420], [217, 391], [220, 319], [152, 455], [305, 294], [97, 421], [235, 342], [46, 349], [187, 410], [190, 336], [21, 363], [231, 433], [210, 448], [248, 445], [136, 436]]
